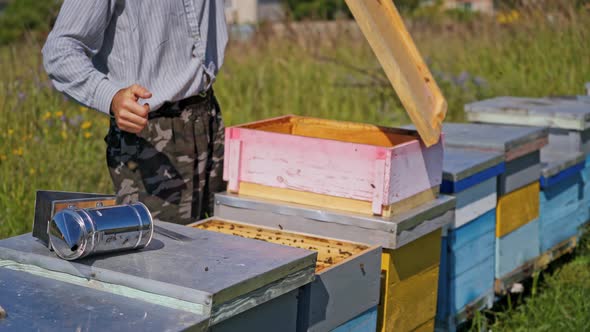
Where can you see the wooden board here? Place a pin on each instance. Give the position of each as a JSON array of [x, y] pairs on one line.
[[564, 113], [335, 202], [365, 322], [517, 209], [513, 141], [588, 89], [474, 202], [387, 35], [390, 233], [549, 256], [559, 166], [517, 249], [520, 172], [381, 174], [460, 164], [344, 271], [568, 141], [467, 268], [409, 293]]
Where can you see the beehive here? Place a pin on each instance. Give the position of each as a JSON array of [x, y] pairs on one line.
[[466, 282], [347, 274], [332, 164], [411, 247]]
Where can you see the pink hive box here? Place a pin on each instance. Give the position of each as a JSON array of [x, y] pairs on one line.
[[333, 164]]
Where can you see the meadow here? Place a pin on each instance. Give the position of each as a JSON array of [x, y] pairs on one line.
[[50, 142]]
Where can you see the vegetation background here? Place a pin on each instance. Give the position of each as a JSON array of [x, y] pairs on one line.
[[50, 142]]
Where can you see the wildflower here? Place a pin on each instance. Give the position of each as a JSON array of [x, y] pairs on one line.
[[87, 135], [2, 157], [10, 132], [21, 96], [86, 125], [47, 116], [32, 171], [83, 109], [18, 152], [64, 134], [59, 114]]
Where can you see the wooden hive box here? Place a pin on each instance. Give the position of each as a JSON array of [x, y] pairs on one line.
[[466, 282], [234, 283], [517, 235], [411, 247], [347, 274], [588, 89], [562, 210], [348, 166]]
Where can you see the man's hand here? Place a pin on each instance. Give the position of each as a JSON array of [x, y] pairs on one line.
[[129, 115]]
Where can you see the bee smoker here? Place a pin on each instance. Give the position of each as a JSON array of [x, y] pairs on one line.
[[76, 233]]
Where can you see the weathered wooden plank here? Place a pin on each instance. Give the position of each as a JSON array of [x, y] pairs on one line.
[[36, 303], [344, 271], [567, 141], [559, 166], [504, 139], [519, 173], [517, 248], [390, 233], [565, 113], [343, 168], [474, 202], [277, 314], [472, 285], [383, 27], [410, 287], [337, 203], [365, 322], [556, 252], [517, 209], [463, 164], [471, 244]]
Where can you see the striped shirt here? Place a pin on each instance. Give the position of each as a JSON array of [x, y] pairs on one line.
[[174, 48]]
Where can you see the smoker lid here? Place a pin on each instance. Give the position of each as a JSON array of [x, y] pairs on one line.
[[68, 234]]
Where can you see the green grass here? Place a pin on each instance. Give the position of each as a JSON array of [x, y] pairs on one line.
[[47, 142]]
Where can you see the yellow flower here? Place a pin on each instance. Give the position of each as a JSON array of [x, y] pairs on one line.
[[86, 125], [64, 134], [46, 116], [59, 114], [10, 132], [18, 152], [83, 109], [87, 135], [32, 171], [2, 157]]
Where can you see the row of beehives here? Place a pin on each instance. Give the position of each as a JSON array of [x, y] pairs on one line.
[[514, 199]]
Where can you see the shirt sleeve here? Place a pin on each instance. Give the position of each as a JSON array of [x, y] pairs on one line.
[[67, 55]]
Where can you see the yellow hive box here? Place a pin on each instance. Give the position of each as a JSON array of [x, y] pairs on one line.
[[517, 209], [410, 287]]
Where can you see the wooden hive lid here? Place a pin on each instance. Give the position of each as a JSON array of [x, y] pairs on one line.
[[409, 75], [572, 113]]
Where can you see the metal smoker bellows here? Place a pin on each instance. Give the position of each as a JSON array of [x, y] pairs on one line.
[[76, 233]]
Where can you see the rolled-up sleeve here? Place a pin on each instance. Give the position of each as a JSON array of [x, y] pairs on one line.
[[76, 38]]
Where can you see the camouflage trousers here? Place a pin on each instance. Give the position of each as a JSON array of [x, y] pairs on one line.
[[175, 165]]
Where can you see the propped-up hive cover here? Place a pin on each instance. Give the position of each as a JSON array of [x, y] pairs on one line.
[[383, 27]]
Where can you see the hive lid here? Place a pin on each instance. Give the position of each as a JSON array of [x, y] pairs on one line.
[[409, 75], [58, 302], [557, 166], [459, 163], [571, 113]]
